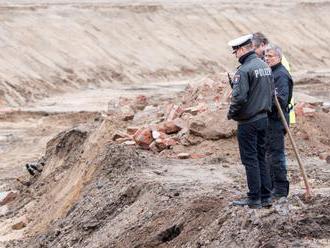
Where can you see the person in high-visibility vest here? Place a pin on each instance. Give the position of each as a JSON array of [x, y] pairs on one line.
[[260, 42]]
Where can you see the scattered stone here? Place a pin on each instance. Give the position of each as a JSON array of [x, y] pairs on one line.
[[190, 140], [173, 112], [18, 226], [168, 127], [155, 134], [122, 140], [153, 147], [192, 110], [127, 113], [213, 126], [165, 143], [129, 143], [183, 155], [143, 137], [197, 156], [132, 130], [119, 135]]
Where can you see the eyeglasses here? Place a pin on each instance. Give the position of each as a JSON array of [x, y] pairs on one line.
[[270, 55]]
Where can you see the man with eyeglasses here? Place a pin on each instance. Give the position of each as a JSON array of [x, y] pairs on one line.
[[251, 101], [260, 42], [275, 148]]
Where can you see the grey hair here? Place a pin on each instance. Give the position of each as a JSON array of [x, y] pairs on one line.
[[275, 48]]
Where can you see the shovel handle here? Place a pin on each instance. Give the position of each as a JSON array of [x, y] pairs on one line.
[[302, 169]]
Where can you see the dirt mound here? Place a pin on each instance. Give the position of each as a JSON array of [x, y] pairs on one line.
[[120, 207], [93, 193]]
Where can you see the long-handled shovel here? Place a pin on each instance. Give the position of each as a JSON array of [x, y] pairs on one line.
[[302, 169]]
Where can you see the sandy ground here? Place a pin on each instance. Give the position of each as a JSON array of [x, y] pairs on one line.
[[58, 78], [127, 42]]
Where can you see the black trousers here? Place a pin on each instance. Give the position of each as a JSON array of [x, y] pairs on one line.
[[252, 139], [275, 157]]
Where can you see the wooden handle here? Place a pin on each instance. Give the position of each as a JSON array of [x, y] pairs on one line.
[[302, 169]]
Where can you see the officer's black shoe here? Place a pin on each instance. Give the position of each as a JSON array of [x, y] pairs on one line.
[[279, 194], [266, 202], [248, 202]]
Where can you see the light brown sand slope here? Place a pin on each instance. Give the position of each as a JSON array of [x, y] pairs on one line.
[[51, 46]]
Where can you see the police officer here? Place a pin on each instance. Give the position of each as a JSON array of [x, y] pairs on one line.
[[275, 148], [251, 101]]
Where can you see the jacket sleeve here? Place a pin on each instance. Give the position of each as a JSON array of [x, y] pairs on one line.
[[282, 89], [239, 94]]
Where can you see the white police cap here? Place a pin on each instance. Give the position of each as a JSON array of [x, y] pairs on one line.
[[240, 41]]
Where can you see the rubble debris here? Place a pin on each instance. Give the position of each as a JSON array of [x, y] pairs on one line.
[[153, 147], [307, 109], [168, 127], [190, 140], [132, 130], [155, 134], [143, 137], [201, 116], [127, 113], [149, 115], [183, 155], [129, 142], [164, 143], [119, 135], [122, 140], [212, 127], [141, 101], [173, 111], [192, 110], [197, 156]]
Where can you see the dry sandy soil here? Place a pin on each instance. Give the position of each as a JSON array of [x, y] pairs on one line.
[[63, 61]]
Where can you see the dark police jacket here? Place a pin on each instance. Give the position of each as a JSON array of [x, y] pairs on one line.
[[283, 86], [252, 90]]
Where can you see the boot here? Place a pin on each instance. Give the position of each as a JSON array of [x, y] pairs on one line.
[[266, 202], [248, 202]]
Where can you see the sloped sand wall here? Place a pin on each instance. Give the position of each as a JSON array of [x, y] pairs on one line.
[[55, 46]]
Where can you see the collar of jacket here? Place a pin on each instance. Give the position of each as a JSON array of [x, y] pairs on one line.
[[274, 67], [247, 57]]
